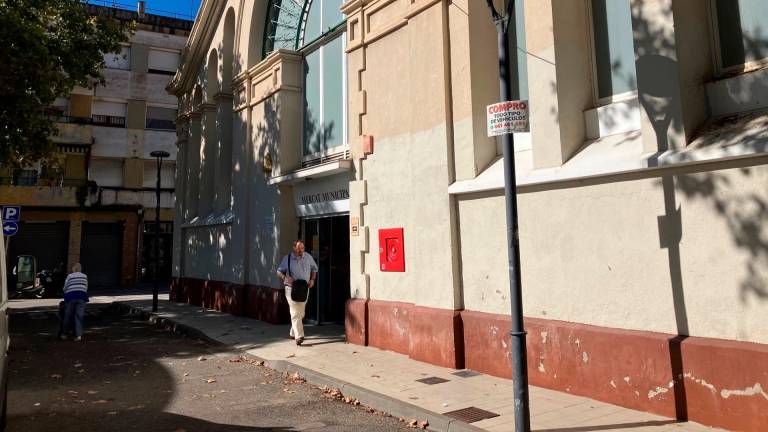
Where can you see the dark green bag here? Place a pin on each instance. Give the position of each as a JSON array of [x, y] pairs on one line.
[[299, 287]]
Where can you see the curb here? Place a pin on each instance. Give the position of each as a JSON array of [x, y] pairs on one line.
[[369, 398]]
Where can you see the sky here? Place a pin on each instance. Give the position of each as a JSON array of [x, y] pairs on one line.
[[177, 6], [186, 8]]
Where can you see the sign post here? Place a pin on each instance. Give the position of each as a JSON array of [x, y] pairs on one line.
[[10, 217], [509, 117]]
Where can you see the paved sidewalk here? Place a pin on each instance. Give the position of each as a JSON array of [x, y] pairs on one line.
[[388, 381]]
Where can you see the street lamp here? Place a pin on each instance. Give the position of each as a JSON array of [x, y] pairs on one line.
[[519, 359], [159, 155]]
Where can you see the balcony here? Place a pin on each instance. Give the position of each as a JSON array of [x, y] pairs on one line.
[[73, 130], [30, 191], [109, 121]]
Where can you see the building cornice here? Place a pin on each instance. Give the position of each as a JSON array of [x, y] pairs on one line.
[[196, 49]]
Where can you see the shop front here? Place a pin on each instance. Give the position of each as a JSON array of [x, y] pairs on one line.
[[323, 206]]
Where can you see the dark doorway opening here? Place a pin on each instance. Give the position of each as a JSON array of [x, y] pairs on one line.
[[165, 250], [327, 240], [101, 253]]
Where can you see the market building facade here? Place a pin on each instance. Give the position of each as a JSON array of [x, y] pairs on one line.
[[360, 127]]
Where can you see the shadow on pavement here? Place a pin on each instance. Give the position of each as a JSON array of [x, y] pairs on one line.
[[611, 427], [120, 377]]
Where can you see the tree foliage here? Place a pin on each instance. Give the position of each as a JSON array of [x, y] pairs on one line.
[[47, 47]]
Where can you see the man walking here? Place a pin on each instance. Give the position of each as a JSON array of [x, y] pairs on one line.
[[296, 269], [75, 298]]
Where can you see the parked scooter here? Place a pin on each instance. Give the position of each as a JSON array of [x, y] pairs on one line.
[[33, 284], [51, 282]]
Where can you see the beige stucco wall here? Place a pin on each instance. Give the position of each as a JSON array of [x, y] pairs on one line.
[[409, 172], [593, 254]]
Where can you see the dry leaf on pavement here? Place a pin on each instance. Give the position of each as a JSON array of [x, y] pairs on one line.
[[211, 380]]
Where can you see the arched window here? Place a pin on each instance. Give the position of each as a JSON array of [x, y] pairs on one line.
[[315, 28]]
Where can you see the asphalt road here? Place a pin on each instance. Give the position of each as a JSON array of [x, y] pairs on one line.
[[129, 375]]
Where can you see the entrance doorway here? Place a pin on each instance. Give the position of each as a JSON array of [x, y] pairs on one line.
[[101, 253], [327, 240]]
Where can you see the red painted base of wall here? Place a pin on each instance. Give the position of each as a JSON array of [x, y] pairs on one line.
[[254, 301], [356, 321], [676, 377], [710, 381], [424, 334]]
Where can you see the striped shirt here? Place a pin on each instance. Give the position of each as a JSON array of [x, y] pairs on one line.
[[76, 287]]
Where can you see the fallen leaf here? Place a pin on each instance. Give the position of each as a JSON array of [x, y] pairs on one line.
[[424, 424], [413, 423], [375, 376], [78, 365], [37, 404], [55, 376], [92, 392], [288, 391], [100, 401], [201, 358], [291, 356], [211, 380], [186, 374]]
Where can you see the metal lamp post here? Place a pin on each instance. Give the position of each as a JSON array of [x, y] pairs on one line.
[[519, 359], [159, 155]]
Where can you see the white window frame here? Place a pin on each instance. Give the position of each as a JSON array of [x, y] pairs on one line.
[[319, 45], [598, 101], [168, 50], [720, 71], [123, 46]]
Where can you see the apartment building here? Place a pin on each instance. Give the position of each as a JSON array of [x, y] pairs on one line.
[[100, 210], [360, 127]]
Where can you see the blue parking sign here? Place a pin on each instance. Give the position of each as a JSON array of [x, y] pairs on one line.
[[10, 228], [11, 213]]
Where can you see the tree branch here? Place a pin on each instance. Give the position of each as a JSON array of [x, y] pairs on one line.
[[494, 14]]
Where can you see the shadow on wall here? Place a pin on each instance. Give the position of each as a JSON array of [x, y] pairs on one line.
[[743, 214], [262, 245]]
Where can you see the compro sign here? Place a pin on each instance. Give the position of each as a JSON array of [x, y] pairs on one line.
[[507, 117]]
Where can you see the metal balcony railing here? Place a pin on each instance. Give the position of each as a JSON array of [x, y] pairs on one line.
[[110, 121], [41, 182], [69, 119]]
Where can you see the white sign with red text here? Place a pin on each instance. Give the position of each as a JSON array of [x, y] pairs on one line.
[[507, 117]]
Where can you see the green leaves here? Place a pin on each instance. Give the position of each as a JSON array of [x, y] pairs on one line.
[[47, 47]]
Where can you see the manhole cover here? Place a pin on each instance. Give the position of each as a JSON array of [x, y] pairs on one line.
[[432, 380], [466, 374], [471, 414]]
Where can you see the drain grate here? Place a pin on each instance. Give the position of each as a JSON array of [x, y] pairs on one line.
[[466, 373], [471, 414], [432, 380]]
